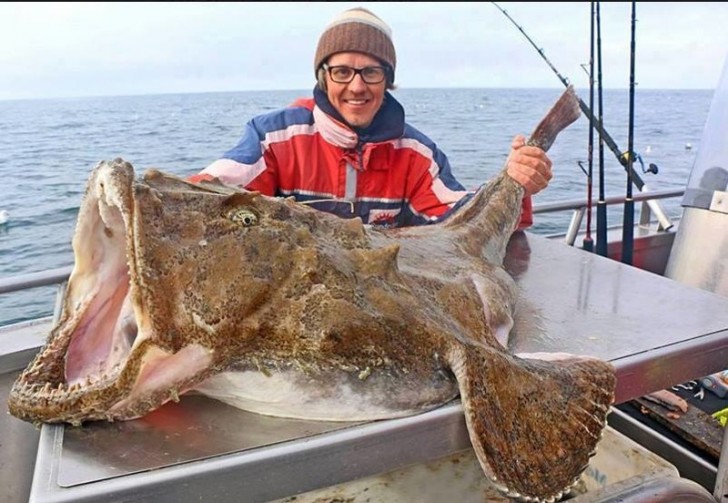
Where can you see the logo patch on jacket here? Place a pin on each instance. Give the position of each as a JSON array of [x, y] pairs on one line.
[[384, 217]]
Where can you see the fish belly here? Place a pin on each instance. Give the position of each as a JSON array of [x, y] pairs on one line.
[[332, 396]]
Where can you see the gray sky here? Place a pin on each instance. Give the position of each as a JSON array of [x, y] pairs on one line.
[[61, 49]]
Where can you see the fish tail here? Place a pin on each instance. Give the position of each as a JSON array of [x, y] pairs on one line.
[[546, 417], [560, 116]]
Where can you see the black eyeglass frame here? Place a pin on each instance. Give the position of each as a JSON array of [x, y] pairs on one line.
[[356, 71]]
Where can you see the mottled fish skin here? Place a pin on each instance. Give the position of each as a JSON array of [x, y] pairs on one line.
[[179, 286]]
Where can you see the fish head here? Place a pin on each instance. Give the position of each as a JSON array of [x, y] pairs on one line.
[[167, 288]]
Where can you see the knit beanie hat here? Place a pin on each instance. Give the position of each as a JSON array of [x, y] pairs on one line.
[[357, 30]]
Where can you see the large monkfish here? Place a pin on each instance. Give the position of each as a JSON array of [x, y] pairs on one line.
[[276, 308]]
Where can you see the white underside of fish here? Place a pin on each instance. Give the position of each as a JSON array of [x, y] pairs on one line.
[[294, 395]]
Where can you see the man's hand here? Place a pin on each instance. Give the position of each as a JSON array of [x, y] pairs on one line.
[[529, 166]]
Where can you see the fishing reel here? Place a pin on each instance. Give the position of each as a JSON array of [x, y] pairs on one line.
[[624, 160], [651, 168]]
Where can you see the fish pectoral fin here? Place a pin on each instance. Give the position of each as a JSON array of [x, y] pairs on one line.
[[533, 424]]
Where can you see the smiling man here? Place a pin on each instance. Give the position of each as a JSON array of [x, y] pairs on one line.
[[349, 151]]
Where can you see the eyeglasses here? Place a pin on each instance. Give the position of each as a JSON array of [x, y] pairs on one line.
[[342, 74]]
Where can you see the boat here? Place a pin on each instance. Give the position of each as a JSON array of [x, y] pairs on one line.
[[662, 320]]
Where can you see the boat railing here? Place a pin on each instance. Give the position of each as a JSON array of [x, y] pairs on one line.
[[579, 208], [59, 276], [35, 279], [49, 277]]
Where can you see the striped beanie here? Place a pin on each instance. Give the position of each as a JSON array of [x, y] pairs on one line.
[[357, 30]]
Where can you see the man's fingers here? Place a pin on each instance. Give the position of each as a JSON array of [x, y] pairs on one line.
[[518, 141], [533, 173], [529, 165]]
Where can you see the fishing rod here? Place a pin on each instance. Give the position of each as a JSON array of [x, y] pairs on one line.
[[628, 221], [654, 205], [602, 203], [588, 243]]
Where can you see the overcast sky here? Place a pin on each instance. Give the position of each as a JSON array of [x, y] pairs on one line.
[[93, 49]]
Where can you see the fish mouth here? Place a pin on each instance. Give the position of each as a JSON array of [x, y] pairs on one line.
[[100, 360]]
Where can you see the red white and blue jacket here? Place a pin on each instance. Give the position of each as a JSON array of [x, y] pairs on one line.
[[388, 173]]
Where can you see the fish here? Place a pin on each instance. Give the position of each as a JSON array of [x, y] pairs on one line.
[[279, 309]]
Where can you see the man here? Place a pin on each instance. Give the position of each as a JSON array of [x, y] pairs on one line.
[[349, 151]]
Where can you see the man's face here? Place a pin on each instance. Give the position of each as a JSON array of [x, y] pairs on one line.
[[357, 101]]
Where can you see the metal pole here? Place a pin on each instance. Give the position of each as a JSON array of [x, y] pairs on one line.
[[628, 216]]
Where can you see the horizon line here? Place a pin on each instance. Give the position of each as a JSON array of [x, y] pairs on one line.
[[308, 91]]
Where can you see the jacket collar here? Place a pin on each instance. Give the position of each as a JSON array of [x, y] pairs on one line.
[[388, 123]]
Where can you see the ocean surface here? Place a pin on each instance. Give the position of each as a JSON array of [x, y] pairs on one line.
[[48, 147]]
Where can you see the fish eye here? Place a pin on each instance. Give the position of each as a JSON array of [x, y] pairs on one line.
[[243, 216]]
